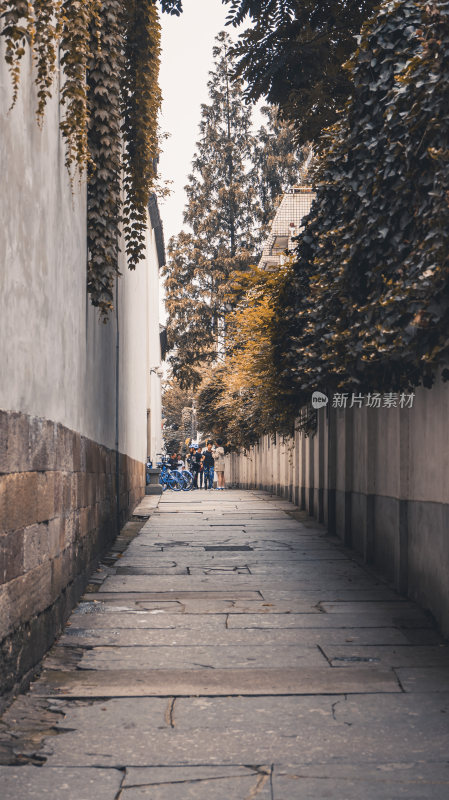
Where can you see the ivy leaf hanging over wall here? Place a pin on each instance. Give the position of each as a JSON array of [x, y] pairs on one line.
[[369, 305], [141, 99], [17, 29], [105, 153], [110, 97]]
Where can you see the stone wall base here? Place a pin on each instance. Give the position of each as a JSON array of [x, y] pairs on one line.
[[58, 513]]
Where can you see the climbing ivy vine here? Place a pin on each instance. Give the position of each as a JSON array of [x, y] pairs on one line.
[[368, 307], [109, 55]]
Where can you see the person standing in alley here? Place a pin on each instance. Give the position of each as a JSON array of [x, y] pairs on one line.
[[220, 464], [208, 464], [192, 466], [199, 474]]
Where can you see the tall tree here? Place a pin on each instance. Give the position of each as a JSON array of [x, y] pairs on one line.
[[232, 191], [221, 212]]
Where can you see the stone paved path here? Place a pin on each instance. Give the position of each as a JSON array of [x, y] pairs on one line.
[[232, 653]]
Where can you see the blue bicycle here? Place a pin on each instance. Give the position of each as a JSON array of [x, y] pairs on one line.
[[170, 479], [175, 479]]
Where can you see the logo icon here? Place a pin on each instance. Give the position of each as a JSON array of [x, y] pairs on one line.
[[319, 400]]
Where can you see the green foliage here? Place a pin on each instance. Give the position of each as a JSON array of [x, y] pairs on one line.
[[110, 98], [17, 28], [369, 307], [293, 55], [141, 102], [75, 43], [245, 397], [105, 162], [47, 32]]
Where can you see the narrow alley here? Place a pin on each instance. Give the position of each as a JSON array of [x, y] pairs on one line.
[[234, 651]]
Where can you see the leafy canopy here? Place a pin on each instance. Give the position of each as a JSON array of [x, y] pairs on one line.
[[245, 397], [369, 306], [293, 53]]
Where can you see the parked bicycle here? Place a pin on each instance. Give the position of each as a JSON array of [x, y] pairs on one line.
[[170, 479], [187, 479], [175, 479]]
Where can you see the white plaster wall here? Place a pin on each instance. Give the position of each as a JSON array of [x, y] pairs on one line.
[[154, 375], [57, 360]]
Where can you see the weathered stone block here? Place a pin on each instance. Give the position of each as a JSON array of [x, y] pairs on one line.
[[17, 452], [46, 482], [19, 501], [55, 534], [92, 518], [83, 453], [59, 493], [29, 594], [11, 556], [76, 445], [5, 622], [92, 457], [42, 444], [4, 441], [35, 546], [103, 460], [68, 501], [70, 528], [101, 486], [64, 453], [91, 488], [81, 490], [83, 522], [61, 571]]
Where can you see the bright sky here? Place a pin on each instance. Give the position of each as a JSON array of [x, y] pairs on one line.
[[187, 43]]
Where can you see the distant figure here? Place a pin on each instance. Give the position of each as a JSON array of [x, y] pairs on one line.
[[208, 464], [220, 465], [173, 461], [199, 474], [192, 466]]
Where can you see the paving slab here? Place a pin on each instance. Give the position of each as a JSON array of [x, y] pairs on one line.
[[270, 637], [59, 783], [294, 784], [230, 731], [348, 655], [149, 619], [198, 783], [173, 595], [222, 656], [309, 620], [217, 682], [424, 679]]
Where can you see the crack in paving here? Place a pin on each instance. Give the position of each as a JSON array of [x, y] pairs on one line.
[[170, 713], [333, 709], [264, 777], [395, 673], [118, 795], [320, 649]]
